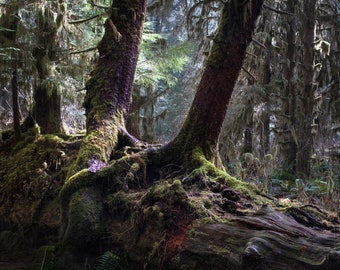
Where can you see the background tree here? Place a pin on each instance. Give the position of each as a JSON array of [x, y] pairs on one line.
[[47, 96], [279, 42]]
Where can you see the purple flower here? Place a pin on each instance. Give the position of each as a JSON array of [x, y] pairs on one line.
[[95, 164]]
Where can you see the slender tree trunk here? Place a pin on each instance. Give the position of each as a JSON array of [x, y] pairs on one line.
[[248, 136], [305, 117], [148, 118], [16, 110], [286, 156], [204, 121], [133, 120], [265, 130]]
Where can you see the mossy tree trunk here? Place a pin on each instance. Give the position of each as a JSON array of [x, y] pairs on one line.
[[109, 90], [47, 98], [287, 121], [305, 109], [204, 121]]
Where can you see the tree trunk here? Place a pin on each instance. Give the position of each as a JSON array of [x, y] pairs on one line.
[[108, 95], [16, 109], [266, 79], [47, 98], [204, 121], [47, 107], [133, 120], [305, 116], [248, 137], [148, 117], [286, 122]]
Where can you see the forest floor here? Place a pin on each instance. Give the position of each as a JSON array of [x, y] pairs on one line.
[[193, 219]]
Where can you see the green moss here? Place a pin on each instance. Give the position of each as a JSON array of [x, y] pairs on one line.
[[100, 142], [172, 193], [119, 204], [85, 224], [23, 176], [208, 170], [82, 179]]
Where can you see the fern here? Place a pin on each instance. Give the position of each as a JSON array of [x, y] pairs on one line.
[[158, 62], [107, 261]]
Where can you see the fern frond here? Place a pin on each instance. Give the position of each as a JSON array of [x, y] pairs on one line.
[[107, 261]]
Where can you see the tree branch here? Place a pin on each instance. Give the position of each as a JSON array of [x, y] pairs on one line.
[[249, 73], [84, 20], [278, 11], [259, 43], [83, 51]]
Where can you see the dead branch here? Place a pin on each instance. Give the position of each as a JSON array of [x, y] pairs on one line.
[[251, 54], [83, 51], [249, 73], [259, 43]]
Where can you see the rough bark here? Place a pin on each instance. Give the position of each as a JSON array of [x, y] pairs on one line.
[[204, 121], [268, 240]]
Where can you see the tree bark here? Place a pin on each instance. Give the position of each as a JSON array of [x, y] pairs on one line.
[[305, 117], [204, 121]]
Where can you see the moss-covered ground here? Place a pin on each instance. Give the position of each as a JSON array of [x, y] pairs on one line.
[[144, 215]]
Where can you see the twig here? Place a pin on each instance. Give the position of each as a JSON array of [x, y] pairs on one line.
[[259, 43], [278, 11], [251, 54], [248, 72], [83, 51]]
